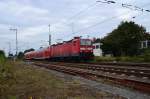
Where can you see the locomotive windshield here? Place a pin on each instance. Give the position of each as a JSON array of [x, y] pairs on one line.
[[85, 42]]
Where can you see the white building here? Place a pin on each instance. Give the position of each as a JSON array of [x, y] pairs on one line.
[[145, 44], [97, 50]]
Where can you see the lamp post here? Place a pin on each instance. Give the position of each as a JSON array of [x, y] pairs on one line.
[[16, 30]]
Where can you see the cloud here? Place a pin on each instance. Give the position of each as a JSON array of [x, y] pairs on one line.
[[125, 14], [31, 18], [20, 14], [32, 31], [19, 9], [30, 12]]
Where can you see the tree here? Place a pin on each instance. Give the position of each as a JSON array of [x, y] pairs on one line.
[[125, 40], [97, 40], [20, 55], [2, 54], [2, 59], [10, 55]]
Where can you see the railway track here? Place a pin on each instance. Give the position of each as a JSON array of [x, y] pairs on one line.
[[127, 64], [134, 80], [136, 72]]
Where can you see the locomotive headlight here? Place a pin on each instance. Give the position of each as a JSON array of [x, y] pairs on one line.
[[82, 48], [89, 48], [85, 48]]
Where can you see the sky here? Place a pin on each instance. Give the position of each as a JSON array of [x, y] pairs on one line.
[[68, 18]]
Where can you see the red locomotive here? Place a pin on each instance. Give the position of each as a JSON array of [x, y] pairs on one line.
[[75, 49]]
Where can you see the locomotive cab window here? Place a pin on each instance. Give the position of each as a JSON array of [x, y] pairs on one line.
[[85, 42], [97, 46]]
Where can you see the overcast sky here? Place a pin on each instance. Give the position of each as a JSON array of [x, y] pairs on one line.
[[68, 18]]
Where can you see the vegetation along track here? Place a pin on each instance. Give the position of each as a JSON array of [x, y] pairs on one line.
[[136, 78]]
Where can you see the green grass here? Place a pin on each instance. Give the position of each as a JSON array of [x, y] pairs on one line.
[[104, 59], [23, 81], [138, 59]]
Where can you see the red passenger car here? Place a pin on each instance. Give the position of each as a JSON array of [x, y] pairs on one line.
[[30, 55], [75, 49]]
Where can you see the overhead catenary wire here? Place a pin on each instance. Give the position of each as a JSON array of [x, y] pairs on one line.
[[78, 13], [84, 10], [91, 26], [103, 21], [125, 5], [107, 1], [92, 5], [110, 18]]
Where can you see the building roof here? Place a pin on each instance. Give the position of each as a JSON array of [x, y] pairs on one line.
[[96, 40]]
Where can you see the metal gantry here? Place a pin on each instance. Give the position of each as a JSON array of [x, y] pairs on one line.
[[16, 30]]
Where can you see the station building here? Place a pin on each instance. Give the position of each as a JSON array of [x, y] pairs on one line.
[[97, 51], [145, 43]]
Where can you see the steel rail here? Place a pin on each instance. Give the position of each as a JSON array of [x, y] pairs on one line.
[[89, 74]]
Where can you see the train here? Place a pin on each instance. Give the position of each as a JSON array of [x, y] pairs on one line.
[[75, 49]]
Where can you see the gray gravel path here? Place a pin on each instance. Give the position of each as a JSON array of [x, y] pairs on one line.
[[129, 94]]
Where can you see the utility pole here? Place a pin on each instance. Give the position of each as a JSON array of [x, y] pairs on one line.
[[49, 34], [16, 30]]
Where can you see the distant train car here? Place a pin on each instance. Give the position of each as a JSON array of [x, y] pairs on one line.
[[75, 49], [29, 55]]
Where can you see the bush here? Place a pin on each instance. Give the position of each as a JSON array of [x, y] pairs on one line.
[[120, 59], [130, 59], [105, 59], [2, 58], [5, 68], [146, 55], [2, 62]]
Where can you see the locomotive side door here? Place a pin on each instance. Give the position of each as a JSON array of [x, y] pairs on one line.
[[75, 47]]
